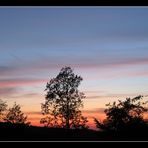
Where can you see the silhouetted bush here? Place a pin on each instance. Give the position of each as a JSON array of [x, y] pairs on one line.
[[3, 108], [15, 115], [125, 116]]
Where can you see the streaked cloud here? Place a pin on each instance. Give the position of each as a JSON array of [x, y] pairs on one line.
[[20, 82], [94, 110], [45, 65], [94, 97], [7, 91], [33, 113], [26, 95], [112, 95]]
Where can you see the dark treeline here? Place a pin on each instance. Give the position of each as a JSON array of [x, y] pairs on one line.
[[63, 119]]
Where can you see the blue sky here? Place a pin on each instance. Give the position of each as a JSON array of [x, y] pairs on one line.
[[108, 47]]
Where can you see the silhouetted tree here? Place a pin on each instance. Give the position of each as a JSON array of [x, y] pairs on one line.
[[63, 101], [126, 114], [15, 115], [3, 107]]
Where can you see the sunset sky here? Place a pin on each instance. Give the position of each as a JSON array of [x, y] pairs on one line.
[[107, 46]]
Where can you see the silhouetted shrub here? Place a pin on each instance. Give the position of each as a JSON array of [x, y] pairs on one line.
[[3, 108], [16, 116], [124, 116]]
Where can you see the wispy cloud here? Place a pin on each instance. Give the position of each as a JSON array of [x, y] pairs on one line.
[[112, 95], [45, 63], [94, 92], [94, 97], [20, 82], [26, 95], [7, 70], [114, 63], [33, 113], [7, 91], [123, 95], [94, 110]]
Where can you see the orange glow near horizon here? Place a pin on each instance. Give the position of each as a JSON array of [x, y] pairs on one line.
[[35, 118], [93, 107]]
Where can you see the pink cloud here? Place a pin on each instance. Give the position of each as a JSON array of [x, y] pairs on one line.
[[98, 74], [111, 63], [44, 63], [20, 82]]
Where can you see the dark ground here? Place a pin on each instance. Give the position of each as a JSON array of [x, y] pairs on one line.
[[14, 132]]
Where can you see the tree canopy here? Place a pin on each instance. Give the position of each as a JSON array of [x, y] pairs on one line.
[[63, 101]]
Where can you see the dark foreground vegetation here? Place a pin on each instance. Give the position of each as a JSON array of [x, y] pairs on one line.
[[63, 119], [17, 132]]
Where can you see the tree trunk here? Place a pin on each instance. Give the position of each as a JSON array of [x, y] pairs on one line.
[[67, 123], [67, 108], [67, 116]]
